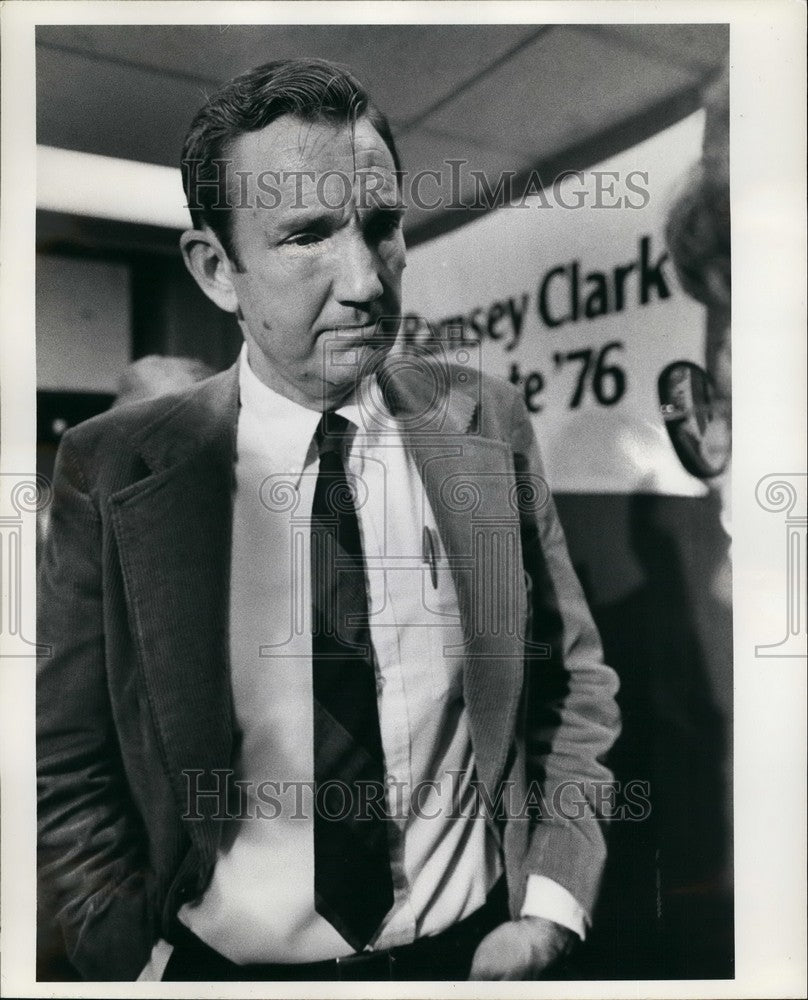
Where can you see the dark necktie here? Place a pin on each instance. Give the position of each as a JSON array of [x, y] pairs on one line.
[[353, 887]]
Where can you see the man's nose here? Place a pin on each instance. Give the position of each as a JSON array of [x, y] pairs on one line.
[[357, 280]]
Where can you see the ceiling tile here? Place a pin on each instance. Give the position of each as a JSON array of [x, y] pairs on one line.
[[557, 91], [405, 67], [420, 150], [693, 46], [113, 110]]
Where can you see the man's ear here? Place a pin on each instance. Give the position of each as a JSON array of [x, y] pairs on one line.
[[210, 266]]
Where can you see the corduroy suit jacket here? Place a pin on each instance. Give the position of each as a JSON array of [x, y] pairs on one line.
[[135, 692]]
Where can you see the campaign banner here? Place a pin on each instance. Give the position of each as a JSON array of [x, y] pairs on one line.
[[570, 293]]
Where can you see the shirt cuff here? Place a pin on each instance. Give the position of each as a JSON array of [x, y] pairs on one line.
[[546, 898], [156, 965]]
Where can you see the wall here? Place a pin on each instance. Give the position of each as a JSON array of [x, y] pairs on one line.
[[83, 323]]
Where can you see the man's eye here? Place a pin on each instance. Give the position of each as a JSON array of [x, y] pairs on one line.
[[303, 239]]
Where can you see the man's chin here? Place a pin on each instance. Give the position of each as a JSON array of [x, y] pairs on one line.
[[346, 367]]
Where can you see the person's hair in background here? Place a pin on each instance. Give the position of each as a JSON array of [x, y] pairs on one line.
[[310, 89], [698, 236], [698, 233], [155, 375]]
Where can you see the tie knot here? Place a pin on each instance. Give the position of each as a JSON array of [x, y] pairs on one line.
[[331, 432]]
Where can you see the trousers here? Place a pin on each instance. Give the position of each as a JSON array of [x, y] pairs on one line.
[[444, 956]]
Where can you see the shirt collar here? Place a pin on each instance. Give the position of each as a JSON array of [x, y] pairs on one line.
[[293, 425]]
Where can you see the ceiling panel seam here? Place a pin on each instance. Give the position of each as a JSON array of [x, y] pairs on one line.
[[175, 74], [468, 139], [580, 156], [475, 78], [649, 49]]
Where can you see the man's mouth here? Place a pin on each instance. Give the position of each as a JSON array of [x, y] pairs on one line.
[[371, 331]]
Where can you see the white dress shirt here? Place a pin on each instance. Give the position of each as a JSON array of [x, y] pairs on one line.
[[259, 906]]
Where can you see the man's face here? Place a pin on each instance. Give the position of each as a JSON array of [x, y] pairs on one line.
[[321, 262]]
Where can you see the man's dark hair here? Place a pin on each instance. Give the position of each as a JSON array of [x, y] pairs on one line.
[[311, 89]]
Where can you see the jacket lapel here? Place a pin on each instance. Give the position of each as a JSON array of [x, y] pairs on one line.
[[177, 586], [470, 484]]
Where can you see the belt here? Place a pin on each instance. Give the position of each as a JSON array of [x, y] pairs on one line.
[[444, 956]]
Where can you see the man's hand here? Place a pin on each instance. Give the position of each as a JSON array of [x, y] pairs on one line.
[[521, 949]]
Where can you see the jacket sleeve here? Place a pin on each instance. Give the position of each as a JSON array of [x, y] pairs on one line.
[[91, 844], [571, 718]]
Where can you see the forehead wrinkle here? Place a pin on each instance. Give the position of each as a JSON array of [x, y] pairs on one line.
[[375, 166], [308, 144], [305, 143], [312, 146]]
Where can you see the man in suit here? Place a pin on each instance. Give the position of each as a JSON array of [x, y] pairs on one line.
[[325, 700]]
